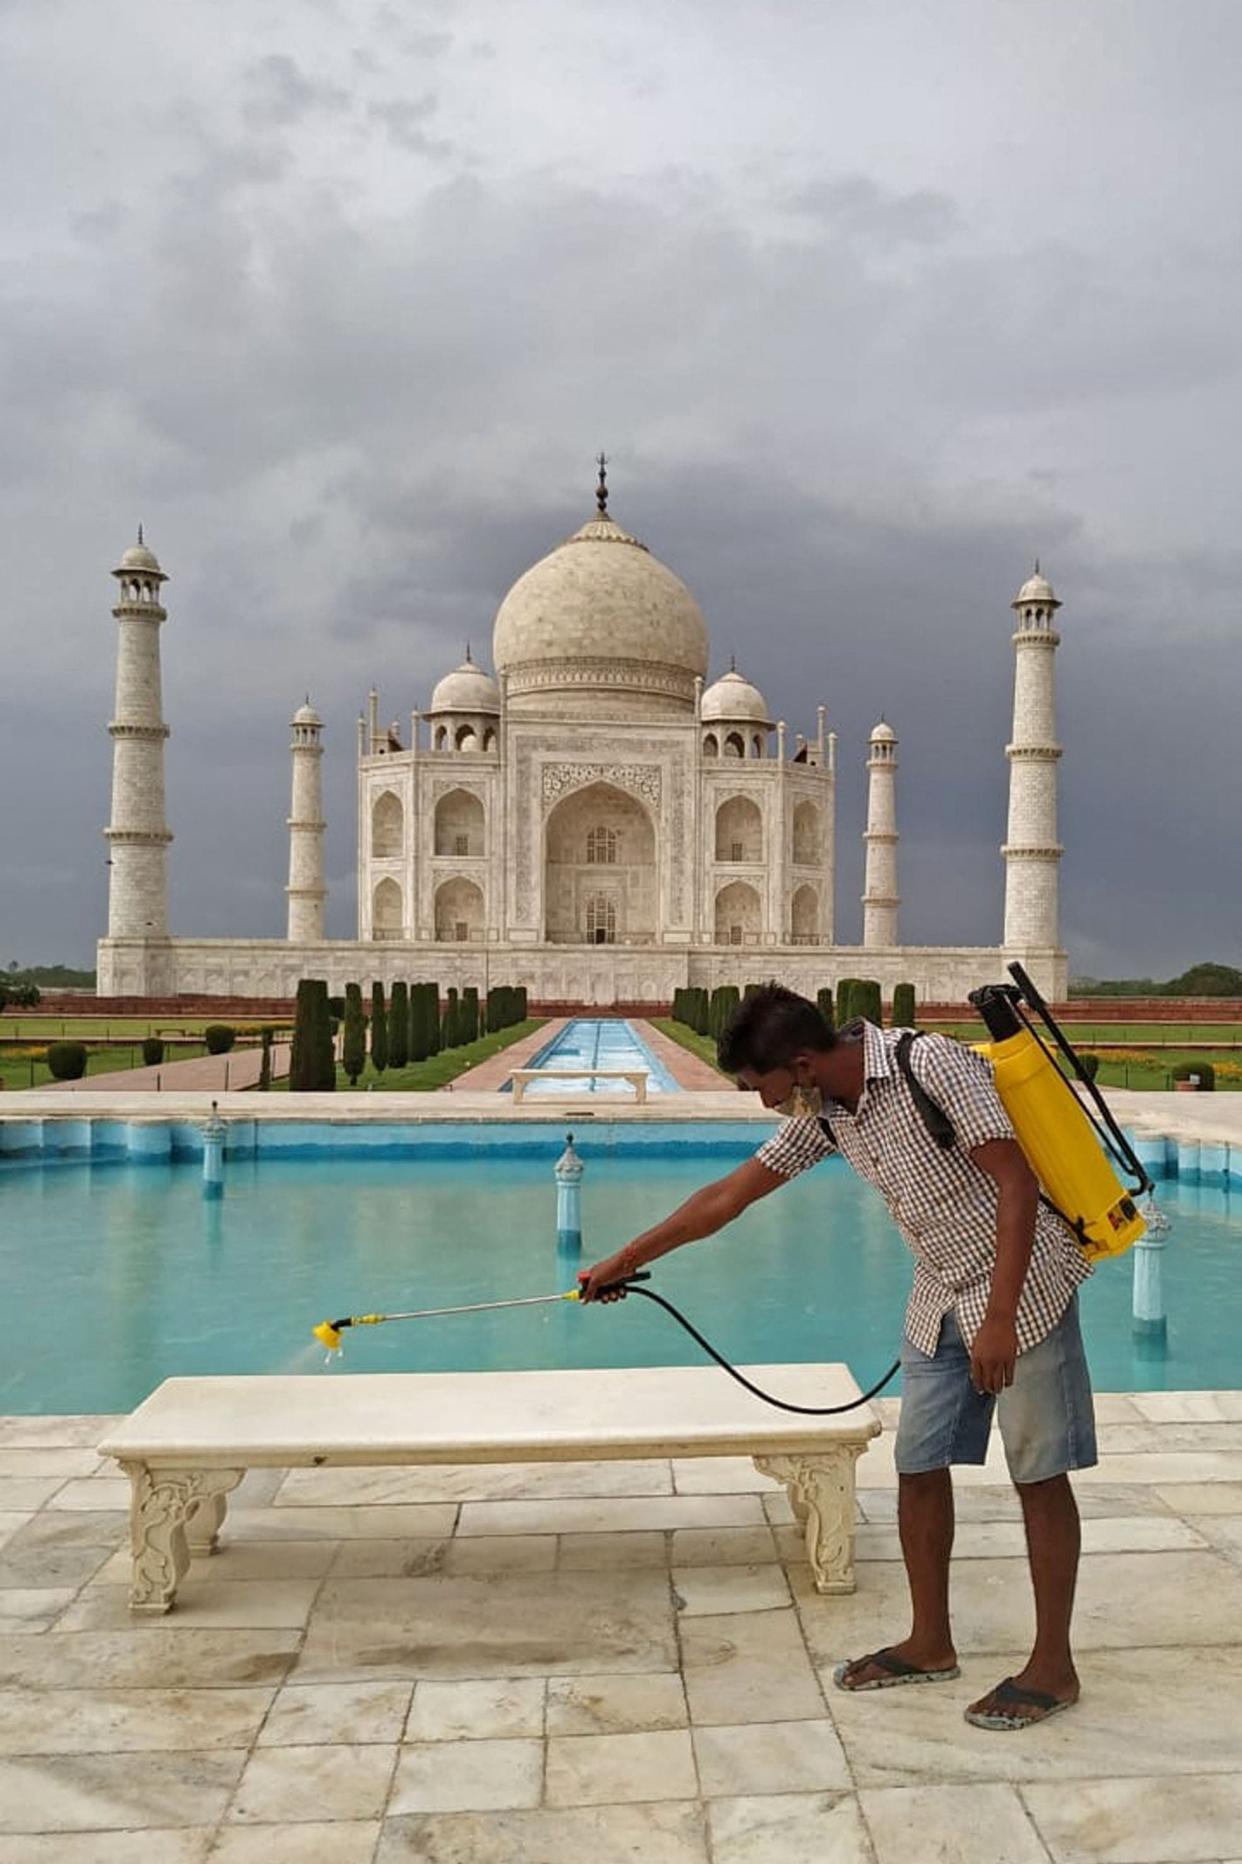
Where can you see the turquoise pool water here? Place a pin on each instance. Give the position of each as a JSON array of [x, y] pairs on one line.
[[118, 1275], [597, 1042]]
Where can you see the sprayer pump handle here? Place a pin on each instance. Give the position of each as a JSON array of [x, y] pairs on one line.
[[622, 1281]]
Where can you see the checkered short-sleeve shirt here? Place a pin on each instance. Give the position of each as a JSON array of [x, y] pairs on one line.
[[942, 1202]]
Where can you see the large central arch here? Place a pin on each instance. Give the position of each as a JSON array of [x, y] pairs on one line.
[[601, 881]]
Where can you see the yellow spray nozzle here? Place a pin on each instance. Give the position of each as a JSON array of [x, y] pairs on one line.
[[328, 1336]]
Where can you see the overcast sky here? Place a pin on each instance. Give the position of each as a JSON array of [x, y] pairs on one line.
[[869, 305]]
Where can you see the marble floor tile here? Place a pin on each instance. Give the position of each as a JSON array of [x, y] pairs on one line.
[[990, 1504], [473, 1482], [789, 1828], [493, 1709], [501, 1553], [586, 1553], [293, 1785], [1164, 1820], [33, 1608], [52, 1566], [155, 1846], [1116, 1408], [12, 1521], [90, 1493], [1142, 1712], [1222, 1531], [950, 1825], [87, 1792], [654, 1834], [128, 1721], [770, 1757], [258, 1559], [467, 1776], [75, 1432], [162, 1657], [22, 1493], [1143, 1438], [615, 1705], [594, 1770], [723, 1546], [985, 1540], [719, 1475], [712, 1591], [748, 1668], [1124, 1600], [344, 1841], [257, 1604], [387, 1559], [102, 1528], [610, 1514], [49, 1461], [1164, 1466], [415, 1520], [336, 1714], [504, 1624], [1200, 1498]]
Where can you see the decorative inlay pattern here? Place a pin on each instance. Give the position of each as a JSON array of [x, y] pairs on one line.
[[561, 780]]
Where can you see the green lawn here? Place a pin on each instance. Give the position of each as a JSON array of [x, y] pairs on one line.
[[17, 1071], [424, 1077], [1129, 1035], [702, 1046], [35, 1028]]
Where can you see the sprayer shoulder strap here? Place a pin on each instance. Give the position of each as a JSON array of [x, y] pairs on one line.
[[932, 1114]]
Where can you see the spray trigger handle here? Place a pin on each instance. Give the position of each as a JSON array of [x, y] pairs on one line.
[[623, 1281]]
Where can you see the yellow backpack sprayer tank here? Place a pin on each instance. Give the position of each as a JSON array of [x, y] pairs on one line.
[[1064, 1146]]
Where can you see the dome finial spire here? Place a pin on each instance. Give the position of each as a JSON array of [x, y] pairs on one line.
[[140, 539], [733, 663], [601, 490], [469, 661], [1037, 566]]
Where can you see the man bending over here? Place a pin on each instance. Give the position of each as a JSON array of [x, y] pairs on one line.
[[991, 1323]]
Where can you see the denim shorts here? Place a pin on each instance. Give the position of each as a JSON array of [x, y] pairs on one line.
[[1046, 1417]]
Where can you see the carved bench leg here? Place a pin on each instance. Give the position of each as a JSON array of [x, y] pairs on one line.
[[821, 1493], [162, 1502], [203, 1525]]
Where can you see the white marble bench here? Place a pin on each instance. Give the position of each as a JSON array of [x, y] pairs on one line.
[[522, 1077], [189, 1444]]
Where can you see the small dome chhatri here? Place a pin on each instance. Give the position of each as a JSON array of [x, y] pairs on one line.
[[468, 688], [306, 715], [733, 697], [139, 558], [883, 733], [1036, 588]]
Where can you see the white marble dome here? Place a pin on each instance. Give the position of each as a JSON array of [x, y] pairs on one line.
[[306, 715], [466, 689], [883, 733], [732, 697], [600, 628]]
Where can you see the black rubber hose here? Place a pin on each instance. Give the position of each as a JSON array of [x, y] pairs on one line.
[[781, 1404]]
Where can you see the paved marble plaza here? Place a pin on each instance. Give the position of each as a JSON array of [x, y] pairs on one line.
[[531, 1664]]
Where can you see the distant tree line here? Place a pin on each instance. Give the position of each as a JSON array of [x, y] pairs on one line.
[[1201, 980], [410, 1024], [707, 1012]]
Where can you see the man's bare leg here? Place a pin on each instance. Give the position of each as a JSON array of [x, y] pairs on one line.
[[1053, 1542], [925, 1522]]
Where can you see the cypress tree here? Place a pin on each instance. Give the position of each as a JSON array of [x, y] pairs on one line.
[[354, 1047], [302, 1039], [823, 1002], [379, 1029], [903, 1006], [325, 1047], [847, 988], [520, 1010], [399, 1026], [470, 1014], [265, 1061], [419, 1045], [434, 1044], [868, 1002], [448, 1028]]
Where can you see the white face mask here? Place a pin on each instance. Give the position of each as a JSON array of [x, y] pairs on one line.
[[804, 1103]]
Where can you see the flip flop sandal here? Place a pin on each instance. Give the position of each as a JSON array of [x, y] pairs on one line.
[[898, 1672], [1016, 1695]]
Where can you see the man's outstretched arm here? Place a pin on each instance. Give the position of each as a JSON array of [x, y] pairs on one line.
[[709, 1210]]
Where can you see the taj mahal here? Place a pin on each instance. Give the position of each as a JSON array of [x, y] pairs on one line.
[[595, 820]]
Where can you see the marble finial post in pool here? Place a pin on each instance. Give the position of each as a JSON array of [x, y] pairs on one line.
[[569, 1170], [213, 1154], [1150, 1322]]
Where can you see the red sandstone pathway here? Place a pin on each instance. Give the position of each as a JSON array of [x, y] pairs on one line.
[[231, 1072], [491, 1075], [687, 1069]]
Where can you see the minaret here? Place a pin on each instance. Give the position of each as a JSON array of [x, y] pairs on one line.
[[880, 898], [137, 834], [1031, 850], [306, 889]]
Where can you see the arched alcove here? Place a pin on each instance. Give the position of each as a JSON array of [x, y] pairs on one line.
[[459, 912], [807, 841], [387, 827], [711, 745], [460, 825], [805, 916], [739, 830], [387, 911], [739, 915], [600, 831]]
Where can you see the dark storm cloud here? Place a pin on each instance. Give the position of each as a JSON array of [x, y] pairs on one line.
[[348, 343]]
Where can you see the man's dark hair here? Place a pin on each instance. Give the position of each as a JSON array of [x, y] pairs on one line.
[[769, 1028]]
